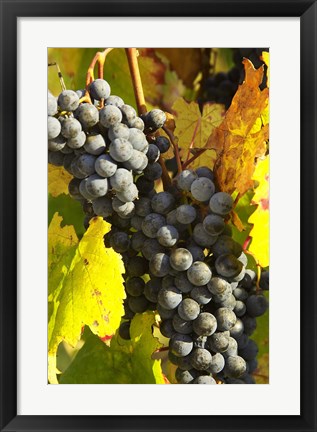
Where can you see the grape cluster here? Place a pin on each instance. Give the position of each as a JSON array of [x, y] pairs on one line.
[[221, 87], [104, 147], [198, 281], [179, 255]]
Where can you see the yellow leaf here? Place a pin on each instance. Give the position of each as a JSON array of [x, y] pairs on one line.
[[241, 137], [194, 128], [207, 158], [265, 116], [58, 179], [60, 241], [85, 287], [266, 59], [142, 338], [260, 218]]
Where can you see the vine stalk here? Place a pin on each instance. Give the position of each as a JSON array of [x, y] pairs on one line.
[[189, 161], [176, 150], [132, 56]]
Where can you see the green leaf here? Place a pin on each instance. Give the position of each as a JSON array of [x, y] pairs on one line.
[[73, 63], [261, 374], [70, 210], [124, 362], [224, 60], [261, 334], [261, 337], [85, 286], [244, 209], [117, 73]]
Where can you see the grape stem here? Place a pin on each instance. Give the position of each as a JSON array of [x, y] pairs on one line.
[[170, 134], [166, 180], [189, 161], [191, 145], [100, 58], [246, 243], [132, 56]]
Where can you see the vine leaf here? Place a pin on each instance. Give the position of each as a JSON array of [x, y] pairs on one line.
[[124, 362], [173, 88], [241, 137], [61, 241], [58, 179], [193, 128], [261, 374], [187, 62], [152, 71], [266, 59], [85, 286], [260, 218], [71, 211], [262, 337], [73, 63], [241, 228]]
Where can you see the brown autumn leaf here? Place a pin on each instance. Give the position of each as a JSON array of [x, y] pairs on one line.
[[152, 71], [241, 137]]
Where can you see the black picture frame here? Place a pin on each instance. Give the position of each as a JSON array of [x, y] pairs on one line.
[[10, 11]]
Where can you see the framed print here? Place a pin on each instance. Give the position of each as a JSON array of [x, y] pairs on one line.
[[180, 181]]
